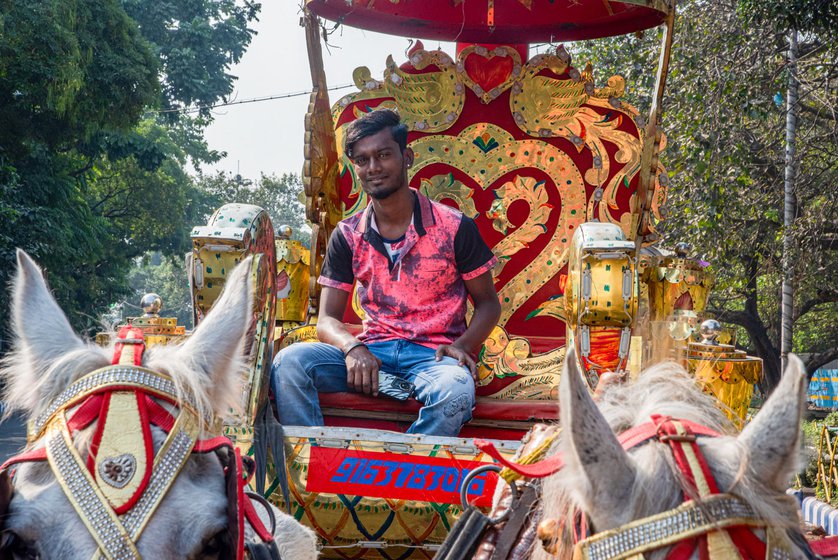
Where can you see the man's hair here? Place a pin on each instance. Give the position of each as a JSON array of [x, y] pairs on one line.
[[373, 123]]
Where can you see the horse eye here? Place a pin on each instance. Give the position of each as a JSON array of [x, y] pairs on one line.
[[215, 545], [14, 546]]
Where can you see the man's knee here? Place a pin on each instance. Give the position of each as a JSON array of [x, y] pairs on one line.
[[456, 391], [456, 377], [292, 362]]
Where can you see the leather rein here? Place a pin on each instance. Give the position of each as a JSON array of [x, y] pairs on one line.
[[714, 524], [118, 487]]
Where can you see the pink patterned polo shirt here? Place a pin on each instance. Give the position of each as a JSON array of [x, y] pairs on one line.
[[417, 294]]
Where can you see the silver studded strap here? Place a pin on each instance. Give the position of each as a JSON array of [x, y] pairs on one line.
[[688, 520], [80, 488], [123, 376], [167, 465]]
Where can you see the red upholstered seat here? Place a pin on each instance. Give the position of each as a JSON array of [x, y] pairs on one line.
[[491, 418]]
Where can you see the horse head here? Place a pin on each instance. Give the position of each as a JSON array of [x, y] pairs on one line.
[[124, 456], [657, 471]]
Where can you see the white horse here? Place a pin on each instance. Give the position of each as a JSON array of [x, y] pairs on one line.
[[615, 487], [191, 520]]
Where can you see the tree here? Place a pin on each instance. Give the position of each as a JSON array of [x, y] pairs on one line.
[[725, 120], [68, 71], [86, 184], [197, 42]]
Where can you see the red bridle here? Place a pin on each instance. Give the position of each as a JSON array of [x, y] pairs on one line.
[[93, 404], [698, 481]]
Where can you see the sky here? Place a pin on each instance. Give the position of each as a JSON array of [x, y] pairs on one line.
[[267, 137]]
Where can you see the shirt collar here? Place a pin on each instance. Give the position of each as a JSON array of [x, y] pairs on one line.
[[423, 215]]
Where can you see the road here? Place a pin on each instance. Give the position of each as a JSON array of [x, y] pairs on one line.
[[12, 437]]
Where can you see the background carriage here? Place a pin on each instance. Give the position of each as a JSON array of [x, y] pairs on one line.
[[562, 176]]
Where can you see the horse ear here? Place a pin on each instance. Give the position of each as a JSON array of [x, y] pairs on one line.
[[42, 330], [596, 463], [216, 348], [42, 337], [772, 438]]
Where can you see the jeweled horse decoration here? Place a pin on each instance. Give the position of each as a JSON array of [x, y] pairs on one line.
[[654, 470], [125, 457]]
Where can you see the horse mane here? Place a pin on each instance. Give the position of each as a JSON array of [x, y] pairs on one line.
[[667, 389]]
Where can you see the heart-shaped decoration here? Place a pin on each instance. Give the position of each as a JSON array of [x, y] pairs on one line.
[[489, 73], [118, 471]]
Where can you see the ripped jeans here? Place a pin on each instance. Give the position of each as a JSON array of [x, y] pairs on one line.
[[445, 388]]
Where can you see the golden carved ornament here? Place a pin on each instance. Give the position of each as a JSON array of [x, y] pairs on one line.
[[441, 187], [534, 193], [677, 283], [476, 151], [541, 105], [730, 379], [489, 55], [536, 377], [429, 101], [319, 175]]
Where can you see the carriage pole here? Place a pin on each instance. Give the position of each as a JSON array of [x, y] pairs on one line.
[[789, 206], [653, 136]]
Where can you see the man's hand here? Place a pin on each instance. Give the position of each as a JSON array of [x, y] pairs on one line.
[[462, 357], [362, 370]]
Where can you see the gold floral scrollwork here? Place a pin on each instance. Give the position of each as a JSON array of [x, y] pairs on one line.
[[542, 105], [615, 89], [534, 376], [428, 101], [534, 193], [445, 186], [486, 153]]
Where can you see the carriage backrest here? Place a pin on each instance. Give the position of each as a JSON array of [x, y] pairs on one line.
[[530, 149]]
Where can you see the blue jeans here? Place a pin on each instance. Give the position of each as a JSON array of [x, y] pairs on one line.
[[445, 388]]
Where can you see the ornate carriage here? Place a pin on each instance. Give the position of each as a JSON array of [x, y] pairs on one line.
[[561, 174]]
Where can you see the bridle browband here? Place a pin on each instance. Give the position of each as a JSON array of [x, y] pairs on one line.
[[715, 524], [122, 482]]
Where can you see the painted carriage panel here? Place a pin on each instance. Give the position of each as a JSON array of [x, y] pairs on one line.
[[232, 233], [530, 149], [364, 489]]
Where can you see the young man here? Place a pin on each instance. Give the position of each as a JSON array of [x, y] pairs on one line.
[[415, 262]]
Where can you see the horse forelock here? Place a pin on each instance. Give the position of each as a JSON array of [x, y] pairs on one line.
[[667, 389], [664, 389], [220, 395]]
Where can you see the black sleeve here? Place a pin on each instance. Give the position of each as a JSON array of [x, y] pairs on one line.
[[337, 265], [470, 250]]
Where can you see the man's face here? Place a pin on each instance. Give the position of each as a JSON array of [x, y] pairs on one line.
[[380, 164]]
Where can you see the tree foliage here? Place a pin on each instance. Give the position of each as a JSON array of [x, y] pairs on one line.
[[808, 16], [724, 114], [91, 176], [165, 276], [197, 42]]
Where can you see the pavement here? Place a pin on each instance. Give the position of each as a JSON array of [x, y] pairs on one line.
[[12, 436]]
